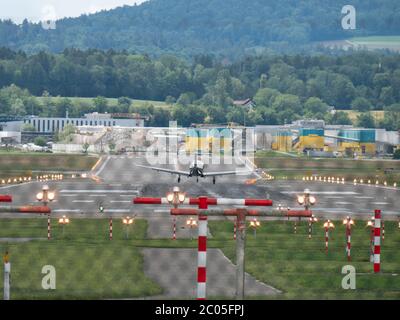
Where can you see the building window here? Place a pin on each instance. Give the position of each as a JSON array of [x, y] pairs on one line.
[[113, 123], [48, 125]]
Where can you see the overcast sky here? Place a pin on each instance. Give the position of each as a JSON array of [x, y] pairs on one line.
[[37, 10]]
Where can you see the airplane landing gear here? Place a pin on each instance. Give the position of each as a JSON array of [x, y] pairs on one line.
[[214, 180], [179, 179]]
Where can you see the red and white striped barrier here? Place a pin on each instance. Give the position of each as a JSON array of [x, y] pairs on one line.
[[111, 229], [202, 253], [210, 201], [377, 241], [5, 198], [27, 209], [48, 228]]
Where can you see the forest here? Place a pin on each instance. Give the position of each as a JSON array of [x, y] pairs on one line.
[[283, 87], [228, 28]]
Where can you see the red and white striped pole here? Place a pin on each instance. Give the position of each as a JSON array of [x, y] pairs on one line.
[[111, 229], [174, 230], [377, 241], [348, 242], [202, 252], [326, 238], [48, 228]]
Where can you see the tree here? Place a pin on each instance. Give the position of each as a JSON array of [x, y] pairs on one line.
[[338, 117], [366, 120], [66, 134], [266, 97], [40, 141], [85, 147], [111, 146], [315, 108], [27, 127], [361, 104], [396, 154], [101, 104]]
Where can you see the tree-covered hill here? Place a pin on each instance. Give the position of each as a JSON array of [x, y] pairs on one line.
[[187, 27]]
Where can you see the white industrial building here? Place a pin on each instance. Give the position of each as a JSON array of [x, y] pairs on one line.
[[43, 124]]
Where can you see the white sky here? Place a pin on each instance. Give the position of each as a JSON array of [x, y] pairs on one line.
[[37, 10]]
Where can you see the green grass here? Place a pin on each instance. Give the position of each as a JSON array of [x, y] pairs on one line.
[[377, 42], [88, 265], [295, 168], [300, 268], [377, 114], [15, 164], [111, 101]]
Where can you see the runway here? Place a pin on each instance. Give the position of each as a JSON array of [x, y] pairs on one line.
[[120, 180]]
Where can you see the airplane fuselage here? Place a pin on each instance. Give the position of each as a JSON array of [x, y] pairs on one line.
[[196, 169]]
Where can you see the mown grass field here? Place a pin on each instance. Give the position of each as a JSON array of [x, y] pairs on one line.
[[89, 266], [15, 164], [295, 168], [299, 267], [111, 101], [377, 42], [377, 114]]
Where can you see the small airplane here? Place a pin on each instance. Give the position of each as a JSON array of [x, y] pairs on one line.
[[196, 169]]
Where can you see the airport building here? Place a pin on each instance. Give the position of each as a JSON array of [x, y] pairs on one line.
[[317, 139], [51, 125]]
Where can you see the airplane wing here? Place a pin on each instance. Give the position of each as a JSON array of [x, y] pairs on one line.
[[181, 173], [225, 173]]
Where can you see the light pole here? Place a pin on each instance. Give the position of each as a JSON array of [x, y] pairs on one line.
[[192, 224], [63, 221], [46, 196], [255, 224], [127, 221], [306, 200], [175, 198], [327, 225], [371, 225], [348, 222]]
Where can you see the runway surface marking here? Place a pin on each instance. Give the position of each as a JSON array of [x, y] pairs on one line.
[[102, 167], [83, 201], [96, 191], [66, 210], [120, 201], [322, 192]]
